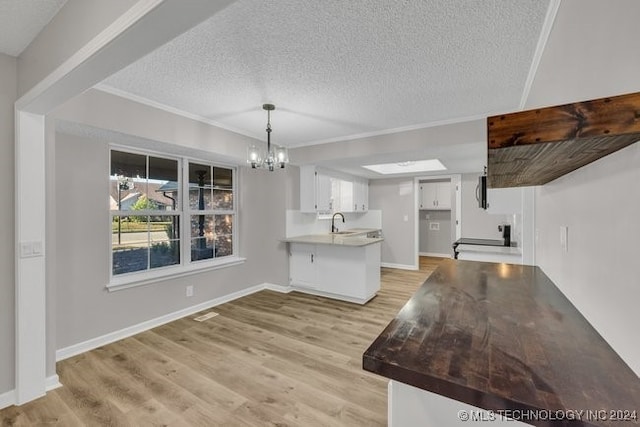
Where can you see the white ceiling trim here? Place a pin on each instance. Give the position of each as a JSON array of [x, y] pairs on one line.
[[547, 25], [160, 106], [164, 107]]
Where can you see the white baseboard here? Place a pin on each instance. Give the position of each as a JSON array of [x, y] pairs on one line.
[[435, 254], [52, 383], [354, 300], [278, 288], [7, 399], [399, 266], [75, 349]]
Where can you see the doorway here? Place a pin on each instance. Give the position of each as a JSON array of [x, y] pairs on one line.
[[437, 215]]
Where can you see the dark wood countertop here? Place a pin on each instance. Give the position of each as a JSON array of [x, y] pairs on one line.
[[503, 337]]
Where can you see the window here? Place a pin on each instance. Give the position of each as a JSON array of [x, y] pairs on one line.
[[149, 214], [210, 211]]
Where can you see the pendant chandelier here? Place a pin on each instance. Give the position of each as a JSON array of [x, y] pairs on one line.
[[274, 156]]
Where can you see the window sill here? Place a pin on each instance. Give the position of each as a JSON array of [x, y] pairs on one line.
[[134, 281]]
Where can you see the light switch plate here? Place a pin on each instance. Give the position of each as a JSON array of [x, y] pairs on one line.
[[31, 249]]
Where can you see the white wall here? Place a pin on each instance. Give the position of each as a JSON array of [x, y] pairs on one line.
[[600, 273], [589, 58], [85, 309], [396, 199], [300, 224], [8, 94], [105, 111], [477, 223], [435, 241], [466, 139]]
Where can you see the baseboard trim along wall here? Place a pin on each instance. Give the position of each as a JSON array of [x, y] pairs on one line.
[[75, 349], [52, 383], [399, 266], [9, 398], [435, 254]]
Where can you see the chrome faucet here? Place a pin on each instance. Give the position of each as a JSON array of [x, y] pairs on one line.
[[334, 229]]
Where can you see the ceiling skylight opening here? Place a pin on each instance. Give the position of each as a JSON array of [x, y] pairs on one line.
[[411, 166]]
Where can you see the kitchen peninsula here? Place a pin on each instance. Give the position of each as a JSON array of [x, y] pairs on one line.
[[499, 337], [344, 266]]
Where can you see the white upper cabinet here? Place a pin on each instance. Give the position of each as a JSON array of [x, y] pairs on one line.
[[341, 195], [315, 190], [360, 194], [435, 195], [322, 191]]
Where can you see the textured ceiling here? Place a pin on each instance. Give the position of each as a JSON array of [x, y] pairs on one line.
[[336, 69], [22, 20]]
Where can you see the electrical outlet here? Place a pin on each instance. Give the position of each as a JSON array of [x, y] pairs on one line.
[[190, 290]]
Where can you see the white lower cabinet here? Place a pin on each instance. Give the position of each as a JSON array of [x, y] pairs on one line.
[[411, 406], [303, 266], [348, 273]]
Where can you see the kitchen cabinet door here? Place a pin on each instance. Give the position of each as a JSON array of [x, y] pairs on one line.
[[324, 201], [361, 194], [443, 195], [315, 190], [435, 195], [303, 265], [341, 195], [428, 196]]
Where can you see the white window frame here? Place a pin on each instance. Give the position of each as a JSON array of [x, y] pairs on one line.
[[186, 266]]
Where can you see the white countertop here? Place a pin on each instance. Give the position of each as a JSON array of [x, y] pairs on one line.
[[357, 238]]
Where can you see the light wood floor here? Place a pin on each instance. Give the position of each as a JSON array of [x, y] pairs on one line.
[[266, 359]]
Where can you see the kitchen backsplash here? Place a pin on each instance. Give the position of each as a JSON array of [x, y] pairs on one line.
[[300, 224]]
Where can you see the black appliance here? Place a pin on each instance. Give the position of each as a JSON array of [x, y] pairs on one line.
[[506, 234]]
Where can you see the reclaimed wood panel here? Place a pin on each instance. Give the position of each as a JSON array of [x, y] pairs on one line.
[[537, 146], [503, 337]]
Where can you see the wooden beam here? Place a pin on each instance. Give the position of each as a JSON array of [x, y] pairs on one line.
[[537, 146]]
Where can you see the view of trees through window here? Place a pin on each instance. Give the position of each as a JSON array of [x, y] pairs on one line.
[[147, 212], [211, 211]]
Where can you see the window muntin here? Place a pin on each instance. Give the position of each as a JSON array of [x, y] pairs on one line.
[[148, 213], [211, 209]]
